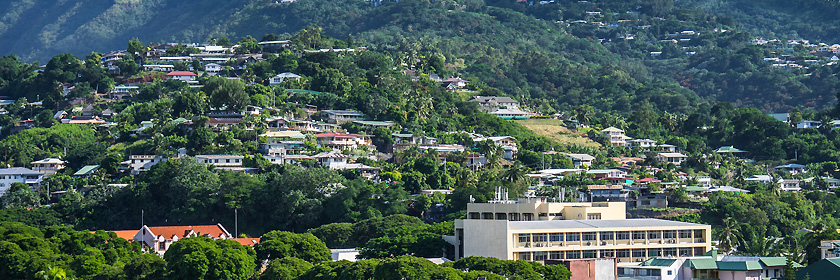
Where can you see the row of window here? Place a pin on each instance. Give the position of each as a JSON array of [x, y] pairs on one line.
[[622, 253], [610, 235]]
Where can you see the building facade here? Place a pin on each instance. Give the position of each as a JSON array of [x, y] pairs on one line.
[[536, 230]]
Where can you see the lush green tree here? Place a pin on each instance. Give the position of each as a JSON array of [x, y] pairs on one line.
[[226, 93], [287, 268], [204, 258], [282, 244]]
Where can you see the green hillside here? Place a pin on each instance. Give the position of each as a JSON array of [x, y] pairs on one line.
[[614, 55]]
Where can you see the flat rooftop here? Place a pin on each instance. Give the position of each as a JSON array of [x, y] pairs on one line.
[[596, 224]]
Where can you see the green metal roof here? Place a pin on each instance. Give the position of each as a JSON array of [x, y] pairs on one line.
[[704, 263], [658, 262], [729, 149], [823, 269], [777, 261], [739, 266], [87, 170], [695, 189]]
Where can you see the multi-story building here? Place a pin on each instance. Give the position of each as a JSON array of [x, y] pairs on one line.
[[19, 175], [48, 166], [537, 230], [343, 116], [580, 159], [342, 141], [616, 136], [140, 163], [829, 249]]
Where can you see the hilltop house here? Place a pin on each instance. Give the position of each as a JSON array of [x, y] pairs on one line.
[[792, 168], [675, 158]]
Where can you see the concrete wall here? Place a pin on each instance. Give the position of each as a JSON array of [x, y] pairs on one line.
[[487, 238]]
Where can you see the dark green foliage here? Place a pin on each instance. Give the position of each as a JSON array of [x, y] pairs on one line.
[[282, 244], [204, 258]]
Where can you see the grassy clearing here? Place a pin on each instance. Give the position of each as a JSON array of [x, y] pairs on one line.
[[555, 130]]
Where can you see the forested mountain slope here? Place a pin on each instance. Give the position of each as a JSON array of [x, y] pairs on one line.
[[560, 55]]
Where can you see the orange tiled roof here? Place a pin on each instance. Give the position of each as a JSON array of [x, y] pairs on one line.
[[247, 241], [125, 234], [183, 231]]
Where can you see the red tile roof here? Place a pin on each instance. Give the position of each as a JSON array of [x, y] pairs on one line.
[[247, 241], [126, 234], [183, 231], [180, 73]]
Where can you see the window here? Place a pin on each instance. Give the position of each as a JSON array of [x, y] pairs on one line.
[[593, 216], [513, 216], [528, 216], [573, 236], [669, 234], [608, 253], [622, 235], [540, 256], [475, 216], [655, 252], [654, 234], [573, 254], [525, 256], [486, 216], [669, 252], [556, 255], [607, 236], [524, 238], [162, 245], [540, 237], [685, 252], [685, 234], [625, 253], [555, 237], [588, 254], [588, 236], [670, 272], [638, 235], [638, 253], [699, 234]]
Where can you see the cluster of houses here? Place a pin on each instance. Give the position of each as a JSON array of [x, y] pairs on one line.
[[783, 57]]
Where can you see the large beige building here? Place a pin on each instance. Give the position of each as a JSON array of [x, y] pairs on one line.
[[537, 230]]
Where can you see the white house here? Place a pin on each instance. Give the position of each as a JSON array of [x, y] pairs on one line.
[[140, 163], [495, 101], [675, 158], [221, 160], [276, 80], [332, 160], [616, 136], [161, 238], [185, 76], [792, 168], [213, 68], [641, 143], [343, 116], [580, 159], [808, 124], [19, 175]]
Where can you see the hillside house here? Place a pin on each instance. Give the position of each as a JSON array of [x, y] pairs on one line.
[[511, 114], [616, 136], [675, 158], [342, 141], [507, 143], [486, 102], [792, 168], [48, 166], [213, 68], [641, 143], [579, 160], [185, 76], [343, 116], [137, 164], [280, 78], [19, 175], [221, 160]]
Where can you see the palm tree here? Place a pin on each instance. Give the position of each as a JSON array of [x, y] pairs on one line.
[[759, 246], [51, 273], [515, 173], [729, 235]]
